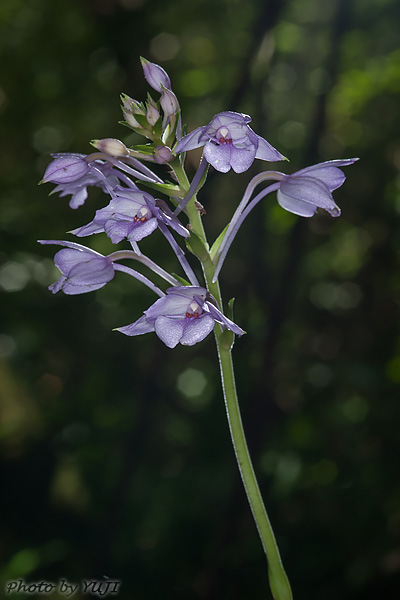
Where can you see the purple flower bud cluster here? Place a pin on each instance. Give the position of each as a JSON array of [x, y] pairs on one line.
[[183, 314]]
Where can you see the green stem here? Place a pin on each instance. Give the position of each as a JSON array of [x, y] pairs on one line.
[[278, 579], [197, 227], [279, 582]]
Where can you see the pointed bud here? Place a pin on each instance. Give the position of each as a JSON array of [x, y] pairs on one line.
[[155, 76], [152, 114], [111, 146], [169, 103], [131, 107]]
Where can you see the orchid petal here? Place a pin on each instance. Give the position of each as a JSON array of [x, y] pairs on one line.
[[310, 190], [222, 319], [195, 330], [328, 172], [242, 158], [169, 330], [191, 141], [66, 169], [267, 152], [219, 156], [139, 327], [297, 207], [142, 230]]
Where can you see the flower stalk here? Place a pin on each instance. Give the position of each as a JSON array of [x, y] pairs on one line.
[[279, 582], [278, 579]]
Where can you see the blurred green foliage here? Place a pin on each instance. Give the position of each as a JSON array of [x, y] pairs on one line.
[[115, 453]]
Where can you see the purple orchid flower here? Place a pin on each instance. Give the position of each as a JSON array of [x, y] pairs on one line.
[[131, 214], [308, 189], [301, 193], [73, 174], [82, 269], [66, 168], [229, 142], [186, 315]]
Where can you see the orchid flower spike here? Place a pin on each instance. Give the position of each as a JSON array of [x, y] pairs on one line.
[[229, 142], [186, 315]]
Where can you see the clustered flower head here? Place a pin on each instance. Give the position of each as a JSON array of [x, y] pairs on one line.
[[186, 312]]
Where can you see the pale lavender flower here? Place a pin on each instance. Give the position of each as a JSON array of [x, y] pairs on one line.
[[131, 214], [229, 142], [73, 174], [308, 189], [66, 168], [155, 76], [82, 269], [301, 193], [186, 315]]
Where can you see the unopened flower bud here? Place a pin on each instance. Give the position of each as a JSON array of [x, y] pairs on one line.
[[155, 76], [130, 119], [169, 103], [131, 107], [162, 154], [152, 114], [111, 146]]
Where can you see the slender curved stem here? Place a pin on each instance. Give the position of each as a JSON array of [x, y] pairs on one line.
[[279, 582], [179, 254], [234, 226], [130, 254], [139, 277]]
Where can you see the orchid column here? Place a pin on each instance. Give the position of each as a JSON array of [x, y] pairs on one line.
[[188, 310]]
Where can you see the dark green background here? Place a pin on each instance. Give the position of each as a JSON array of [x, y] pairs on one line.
[[115, 453]]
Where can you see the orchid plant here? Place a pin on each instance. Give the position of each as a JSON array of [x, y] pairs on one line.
[[188, 310]]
